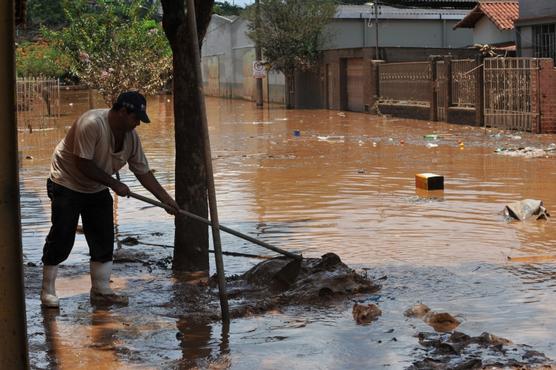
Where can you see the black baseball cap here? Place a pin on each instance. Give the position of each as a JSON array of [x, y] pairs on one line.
[[136, 103]]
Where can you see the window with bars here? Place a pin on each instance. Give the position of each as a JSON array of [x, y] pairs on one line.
[[545, 41]]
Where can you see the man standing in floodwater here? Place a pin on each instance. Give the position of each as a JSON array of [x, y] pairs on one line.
[[97, 145]]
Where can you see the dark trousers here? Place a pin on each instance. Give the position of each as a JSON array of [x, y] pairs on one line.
[[97, 218]]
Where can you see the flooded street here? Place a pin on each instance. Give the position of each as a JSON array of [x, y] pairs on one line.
[[310, 182]]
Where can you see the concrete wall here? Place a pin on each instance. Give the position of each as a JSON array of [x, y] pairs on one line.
[[486, 32], [428, 33], [536, 8], [532, 12], [227, 58]]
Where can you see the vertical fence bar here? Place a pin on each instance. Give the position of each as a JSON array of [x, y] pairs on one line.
[[480, 77]]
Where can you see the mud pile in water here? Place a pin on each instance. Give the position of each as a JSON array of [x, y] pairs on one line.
[[284, 281], [460, 351]]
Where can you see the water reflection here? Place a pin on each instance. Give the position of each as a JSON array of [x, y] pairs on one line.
[[197, 341], [49, 317], [86, 345]]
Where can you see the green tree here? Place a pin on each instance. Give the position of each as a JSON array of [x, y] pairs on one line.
[[352, 2], [115, 45], [290, 34], [35, 59], [49, 13], [225, 8]]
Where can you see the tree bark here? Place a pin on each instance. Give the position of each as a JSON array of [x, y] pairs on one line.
[[191, 237]]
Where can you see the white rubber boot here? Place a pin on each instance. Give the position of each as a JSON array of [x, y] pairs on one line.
[[101, 293], [48, 291]]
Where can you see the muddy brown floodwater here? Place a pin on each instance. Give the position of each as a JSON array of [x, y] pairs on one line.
[[312, 182]]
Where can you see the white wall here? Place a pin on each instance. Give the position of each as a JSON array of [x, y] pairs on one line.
[[425, 33], [485, 32], [228, 53]]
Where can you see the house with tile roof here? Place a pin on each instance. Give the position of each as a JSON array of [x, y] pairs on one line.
[[493, 23]]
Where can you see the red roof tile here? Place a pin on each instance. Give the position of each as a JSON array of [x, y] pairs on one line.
[[502, 13]]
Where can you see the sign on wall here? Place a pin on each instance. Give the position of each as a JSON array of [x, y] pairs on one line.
[[259, 70]]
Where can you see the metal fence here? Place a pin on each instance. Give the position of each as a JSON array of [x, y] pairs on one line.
[[405, 82], [505, 92], [510, 93], [464, 83], [38, 100]]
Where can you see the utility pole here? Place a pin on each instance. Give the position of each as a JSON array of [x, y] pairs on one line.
[[259, 56], [13, 341], [192, 23]]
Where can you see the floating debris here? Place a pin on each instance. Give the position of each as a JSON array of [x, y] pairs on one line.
[[440, 321], [337, 139], [365, 313], [526, 208], [130, 240], [460, 351], [527, 152]]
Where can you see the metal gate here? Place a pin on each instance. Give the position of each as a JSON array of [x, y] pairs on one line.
[[511, 99], [38, 101]]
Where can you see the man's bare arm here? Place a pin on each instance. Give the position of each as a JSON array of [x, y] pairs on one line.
[[92, 171], [151, 184]]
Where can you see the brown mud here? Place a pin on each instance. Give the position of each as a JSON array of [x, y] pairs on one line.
[[457, 350]]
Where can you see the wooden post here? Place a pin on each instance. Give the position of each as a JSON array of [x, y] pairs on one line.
[[13, 341], [192, 23]]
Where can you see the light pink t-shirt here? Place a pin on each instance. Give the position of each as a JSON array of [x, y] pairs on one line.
[[90, 137]]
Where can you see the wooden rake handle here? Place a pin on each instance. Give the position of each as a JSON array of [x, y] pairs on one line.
[[221, 227]]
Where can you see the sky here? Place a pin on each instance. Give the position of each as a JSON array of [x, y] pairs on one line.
[[241, 2]]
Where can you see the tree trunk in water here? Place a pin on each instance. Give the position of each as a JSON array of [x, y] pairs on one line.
[[191, 237]]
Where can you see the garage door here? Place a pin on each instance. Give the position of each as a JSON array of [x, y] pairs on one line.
[[354, 73]]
